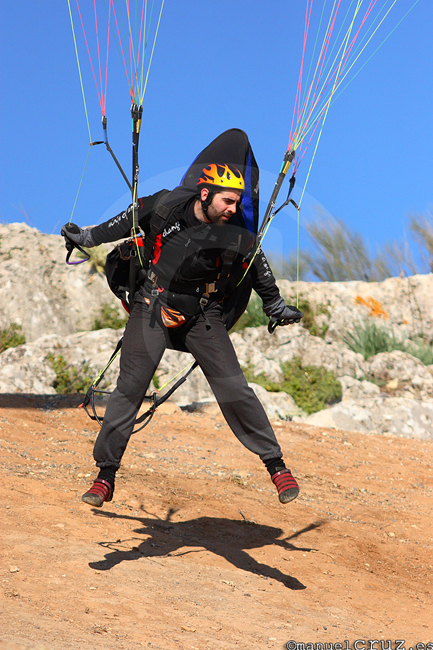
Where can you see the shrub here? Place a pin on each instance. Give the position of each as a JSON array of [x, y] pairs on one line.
[[70, 379], [254, 316], [421, 350], [11, 337], [109, 318], [369, 339], [292, 268], [310, 315], [97, 258], [313, 388]]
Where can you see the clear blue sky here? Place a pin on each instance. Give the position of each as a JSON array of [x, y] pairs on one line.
[[215, 66]]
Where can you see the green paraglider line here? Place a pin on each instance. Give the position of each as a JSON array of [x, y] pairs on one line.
[[81, 181], [79, 70]]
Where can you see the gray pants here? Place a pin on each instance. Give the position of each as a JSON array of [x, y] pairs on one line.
[[143, 345]]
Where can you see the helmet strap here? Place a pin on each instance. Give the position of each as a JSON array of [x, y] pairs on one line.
[[206, 203]]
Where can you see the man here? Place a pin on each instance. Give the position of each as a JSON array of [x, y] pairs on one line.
[[197, 259]]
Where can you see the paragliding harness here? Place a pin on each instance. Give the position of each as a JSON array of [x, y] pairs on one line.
[[128, 263], [127, 267]]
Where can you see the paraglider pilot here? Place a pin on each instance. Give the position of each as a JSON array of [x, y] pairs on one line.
[[180, 303]]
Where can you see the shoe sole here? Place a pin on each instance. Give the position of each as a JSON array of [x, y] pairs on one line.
[[288, 495], [92, 499]]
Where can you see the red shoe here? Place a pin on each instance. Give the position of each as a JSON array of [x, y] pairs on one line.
[[99, 492], [287, 487]]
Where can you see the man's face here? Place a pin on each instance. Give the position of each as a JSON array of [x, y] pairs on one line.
[[223, 206]]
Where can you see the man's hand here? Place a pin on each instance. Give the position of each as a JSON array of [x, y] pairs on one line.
[[73, 233], [284, 314]]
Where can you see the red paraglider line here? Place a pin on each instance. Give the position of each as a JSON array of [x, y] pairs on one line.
[[101, 103], [123, 54], [99, 53], [140, 42], [299, 88], [315, 100], [340, 67], [322, 57], [350, 48], [106, 61]]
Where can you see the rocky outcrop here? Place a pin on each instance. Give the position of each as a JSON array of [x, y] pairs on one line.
[[391, 416], [28, 369], [390, 393], [39, 291], [44, 295], [405, 304]]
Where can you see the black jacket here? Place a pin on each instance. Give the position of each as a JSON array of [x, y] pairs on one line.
[[188, 252]]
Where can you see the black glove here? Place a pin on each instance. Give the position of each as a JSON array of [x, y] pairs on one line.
[[73, 233], [284, 314]]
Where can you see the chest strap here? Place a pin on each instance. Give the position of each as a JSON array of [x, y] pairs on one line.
[[157, 224]]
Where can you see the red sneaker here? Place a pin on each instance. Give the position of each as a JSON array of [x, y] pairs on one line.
[[287, 487], [99, 492]]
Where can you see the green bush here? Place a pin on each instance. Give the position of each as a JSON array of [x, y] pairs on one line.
[[109, 318], [421, 350], [254, 316], [310, 315], [70, 379], [97, 258], [368, 338], [313, 388], [11, 337]]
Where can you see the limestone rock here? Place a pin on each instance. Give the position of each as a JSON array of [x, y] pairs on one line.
[[39, 291], [354, 389], [56, 304], [392, 416]]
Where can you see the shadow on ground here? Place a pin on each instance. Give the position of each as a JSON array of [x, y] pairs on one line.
[[227, 538]]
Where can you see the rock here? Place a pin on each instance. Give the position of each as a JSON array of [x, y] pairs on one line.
[[355, 389], [277, 405], [33, 272], [399, 367], [255, 348], [66, 299], [403, 304], [396, 416], [26, 368]]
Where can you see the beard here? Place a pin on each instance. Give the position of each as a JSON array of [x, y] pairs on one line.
[[217, 217]]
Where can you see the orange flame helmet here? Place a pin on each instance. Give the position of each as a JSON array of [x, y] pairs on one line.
[[221, 176]]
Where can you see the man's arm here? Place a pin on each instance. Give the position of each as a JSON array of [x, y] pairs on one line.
[[265, 285], [119, 227]]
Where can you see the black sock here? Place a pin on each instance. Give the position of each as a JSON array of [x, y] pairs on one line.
[[274, 465], [108, 474]]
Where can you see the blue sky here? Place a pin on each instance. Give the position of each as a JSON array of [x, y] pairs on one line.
[[229, 64]]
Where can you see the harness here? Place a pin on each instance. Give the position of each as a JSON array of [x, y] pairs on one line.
[[129, 264]]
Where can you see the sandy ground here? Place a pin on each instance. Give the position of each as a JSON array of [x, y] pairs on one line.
[[195, 551]]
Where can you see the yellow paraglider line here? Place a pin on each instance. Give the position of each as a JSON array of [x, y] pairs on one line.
[[79, 70]]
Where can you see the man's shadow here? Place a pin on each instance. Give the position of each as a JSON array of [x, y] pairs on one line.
[[225, 537]]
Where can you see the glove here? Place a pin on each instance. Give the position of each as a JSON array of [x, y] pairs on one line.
[[76, 235], [285, 314]]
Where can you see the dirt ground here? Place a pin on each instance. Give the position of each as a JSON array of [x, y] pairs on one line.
[[195, 552]]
